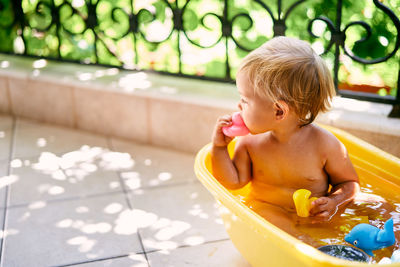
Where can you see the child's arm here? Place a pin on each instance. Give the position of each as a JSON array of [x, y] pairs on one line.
[[232, 174], [342, 177]]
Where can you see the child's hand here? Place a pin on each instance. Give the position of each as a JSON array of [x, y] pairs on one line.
[[323, 208], [219, 139]]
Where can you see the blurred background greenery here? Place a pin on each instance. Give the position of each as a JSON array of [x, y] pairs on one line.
[[205, 38]]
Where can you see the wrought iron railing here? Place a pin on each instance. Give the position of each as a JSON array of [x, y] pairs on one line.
[[206, 39]]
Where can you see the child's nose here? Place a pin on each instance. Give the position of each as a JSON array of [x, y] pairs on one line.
[[239, 106]]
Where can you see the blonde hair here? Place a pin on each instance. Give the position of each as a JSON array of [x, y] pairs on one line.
[[288, 69]]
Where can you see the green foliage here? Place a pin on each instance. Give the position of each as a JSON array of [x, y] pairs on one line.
[[190, 20], [215, 69], [160, 10], [7, 37], [4, 5]]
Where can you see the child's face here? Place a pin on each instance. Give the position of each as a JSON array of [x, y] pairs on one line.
[[257, 112]]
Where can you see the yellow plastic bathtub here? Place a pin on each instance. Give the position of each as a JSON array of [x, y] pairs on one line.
[[264, 244]]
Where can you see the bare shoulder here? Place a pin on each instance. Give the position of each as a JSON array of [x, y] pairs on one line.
[[242, 142], [251, 142], [326, 141], [337, 161], [251, 139], [242, 150]]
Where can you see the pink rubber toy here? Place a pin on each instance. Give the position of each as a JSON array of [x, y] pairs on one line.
[[238, 128]]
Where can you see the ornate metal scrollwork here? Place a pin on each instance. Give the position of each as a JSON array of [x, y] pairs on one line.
[[339, 36], [130, 21]]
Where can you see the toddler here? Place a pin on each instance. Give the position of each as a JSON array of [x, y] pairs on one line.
[[283, 85]]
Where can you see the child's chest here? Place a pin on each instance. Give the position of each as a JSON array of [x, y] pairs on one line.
[[295, 168]]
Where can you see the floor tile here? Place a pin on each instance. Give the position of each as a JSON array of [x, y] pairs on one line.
[[178, 215], [221, 254], [155, 166], [1, 227], [6, 125], [6, 130], [86, 171], [49, 234], [33, 138], [134, 260], [5, 180]]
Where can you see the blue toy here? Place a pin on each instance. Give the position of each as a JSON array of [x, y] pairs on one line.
[[368, 237]]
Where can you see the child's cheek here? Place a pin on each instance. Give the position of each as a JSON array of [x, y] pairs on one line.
[[247, 121]]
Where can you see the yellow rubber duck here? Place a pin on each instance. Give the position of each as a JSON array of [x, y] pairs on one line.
[[302, 202]]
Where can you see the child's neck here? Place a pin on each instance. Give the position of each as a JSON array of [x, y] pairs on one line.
[[285, 134]]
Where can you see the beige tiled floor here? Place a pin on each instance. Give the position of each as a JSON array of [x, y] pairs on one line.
[[71, 198]]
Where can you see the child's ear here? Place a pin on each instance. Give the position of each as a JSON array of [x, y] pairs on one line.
[[281, 109]]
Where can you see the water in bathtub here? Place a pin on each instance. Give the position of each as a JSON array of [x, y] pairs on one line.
[[377, 202]]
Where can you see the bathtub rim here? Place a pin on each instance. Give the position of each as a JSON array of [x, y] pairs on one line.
[[259, 224]]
